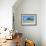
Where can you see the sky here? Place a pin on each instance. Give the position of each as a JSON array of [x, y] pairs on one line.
[[6, 13]]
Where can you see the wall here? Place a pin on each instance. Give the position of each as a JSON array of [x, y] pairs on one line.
[[29, 32], [6, 13], [43, 22]]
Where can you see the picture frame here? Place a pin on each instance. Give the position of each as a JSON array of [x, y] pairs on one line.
[[29, 19]]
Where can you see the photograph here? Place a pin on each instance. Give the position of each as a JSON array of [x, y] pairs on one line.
[[29, 19]]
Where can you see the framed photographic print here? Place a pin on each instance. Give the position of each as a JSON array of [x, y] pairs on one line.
[[29, 19]]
